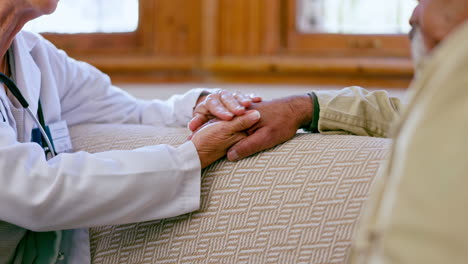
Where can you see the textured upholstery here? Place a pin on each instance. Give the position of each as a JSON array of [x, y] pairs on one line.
[[296, 203]]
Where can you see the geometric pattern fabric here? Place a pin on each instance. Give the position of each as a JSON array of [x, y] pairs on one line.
[[296, 203]]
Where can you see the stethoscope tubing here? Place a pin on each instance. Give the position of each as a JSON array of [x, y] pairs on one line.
[[17, 94], [44, 134]]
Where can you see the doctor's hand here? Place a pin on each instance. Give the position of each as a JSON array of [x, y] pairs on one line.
[[223, 105], [214, 138], [281, 118]]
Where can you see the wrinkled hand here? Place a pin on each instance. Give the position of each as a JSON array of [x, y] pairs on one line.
[[281, 118], [214, 139], [223, 105]]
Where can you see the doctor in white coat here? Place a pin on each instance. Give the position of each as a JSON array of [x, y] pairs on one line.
[[40, 196]]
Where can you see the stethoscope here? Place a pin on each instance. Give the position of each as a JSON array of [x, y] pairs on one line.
[[10, 84]]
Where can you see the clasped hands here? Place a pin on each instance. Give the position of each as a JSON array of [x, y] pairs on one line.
[[240, 125]]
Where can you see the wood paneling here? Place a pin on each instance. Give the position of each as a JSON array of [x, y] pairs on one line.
[[332, 66], [248, 27], [177, 27], [210, 29]]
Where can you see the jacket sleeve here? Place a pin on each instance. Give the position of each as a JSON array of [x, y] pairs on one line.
[[83, 190], [88, 96], [354, 110]]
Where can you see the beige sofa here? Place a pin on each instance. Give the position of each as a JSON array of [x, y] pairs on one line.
[[296, 203]]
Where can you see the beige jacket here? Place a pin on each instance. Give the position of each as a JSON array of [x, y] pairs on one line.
[[418, 211]]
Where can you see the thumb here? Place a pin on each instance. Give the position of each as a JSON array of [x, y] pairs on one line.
[[252, 144], [197, 121], [243, 122]]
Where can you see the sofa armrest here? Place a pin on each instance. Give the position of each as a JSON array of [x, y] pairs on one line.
[[298, 202]]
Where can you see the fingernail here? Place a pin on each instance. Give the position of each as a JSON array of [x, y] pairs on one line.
[[240, 108], [232, 155], [254, 115]]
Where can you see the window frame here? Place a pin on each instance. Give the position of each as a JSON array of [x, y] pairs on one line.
[[343, 45], [148, 53], [108, 43]]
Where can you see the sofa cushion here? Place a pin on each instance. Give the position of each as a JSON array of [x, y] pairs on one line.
[[296, 203]]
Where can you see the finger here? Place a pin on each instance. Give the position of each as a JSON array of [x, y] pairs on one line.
[[237, 137], [243, 99], [217, 108], [256, 98], [197, 121], [209, 122], [243, 122], [250, 145], [232, 103]]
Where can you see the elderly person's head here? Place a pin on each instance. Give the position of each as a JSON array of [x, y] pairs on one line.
[[15, 13], [33, 8], [432, 22], [43, 7]]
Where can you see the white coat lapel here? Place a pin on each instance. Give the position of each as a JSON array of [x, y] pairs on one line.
[[27, 77]]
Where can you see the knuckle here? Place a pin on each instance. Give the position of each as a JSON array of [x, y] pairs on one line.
[[212, 97], [226, 133], [267, 137], [212, 103], [224, 93], [247, 150], [267, 130], [224, 97], [227, 97]]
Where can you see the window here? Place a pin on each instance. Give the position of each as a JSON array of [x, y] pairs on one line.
[[152, 39], [96, 27], [354, 16], [350, 28], [89, 16]]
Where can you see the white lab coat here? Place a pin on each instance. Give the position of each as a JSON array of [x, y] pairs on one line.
[[82, 190]]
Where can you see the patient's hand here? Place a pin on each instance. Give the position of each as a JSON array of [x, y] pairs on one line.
[[214, 139], [223, 105], [281, 118]]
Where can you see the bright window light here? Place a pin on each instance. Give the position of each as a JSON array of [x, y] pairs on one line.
[[354, 16], [88, 16]]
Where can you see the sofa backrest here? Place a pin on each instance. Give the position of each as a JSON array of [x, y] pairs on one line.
[[296, 203]]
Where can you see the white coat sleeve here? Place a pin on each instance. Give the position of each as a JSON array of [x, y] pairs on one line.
[[83, 190], [88, 96]]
